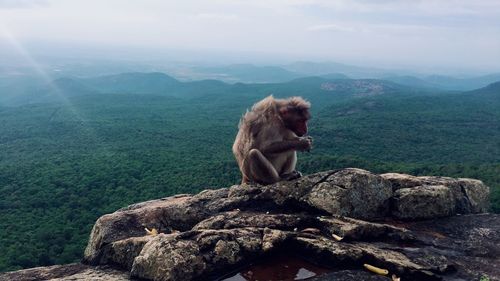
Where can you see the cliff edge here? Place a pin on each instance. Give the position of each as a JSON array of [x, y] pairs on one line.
[[417, 228]]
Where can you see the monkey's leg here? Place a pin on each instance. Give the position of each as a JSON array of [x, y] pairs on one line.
[[259, 169], [288, 171]]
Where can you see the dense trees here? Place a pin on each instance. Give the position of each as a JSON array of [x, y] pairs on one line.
[[62, 165]]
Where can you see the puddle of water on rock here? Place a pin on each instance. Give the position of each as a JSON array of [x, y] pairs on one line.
[[281, 267]]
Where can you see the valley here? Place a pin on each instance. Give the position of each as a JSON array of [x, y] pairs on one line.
[[79, 147]]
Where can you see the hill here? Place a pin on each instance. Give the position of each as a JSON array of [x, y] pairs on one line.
[[445, 82], [65, 162], [163, 85], [402, 77], [412, 81], [307, 68], [247, 73], [492, 91], [137, 83], [464, 84], [436, 128]]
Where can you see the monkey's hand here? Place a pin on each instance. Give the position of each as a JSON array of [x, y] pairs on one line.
[[304, 143]]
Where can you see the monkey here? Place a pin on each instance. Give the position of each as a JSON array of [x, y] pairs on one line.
[[269, 136]]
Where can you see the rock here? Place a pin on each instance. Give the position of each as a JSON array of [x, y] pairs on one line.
[[460, 247], [201, 253], [401, 180], [213, 233], [477, 194], [349, 275], [176, 213], [470, 195], [423, 202], [353, 229], [348, 254], [239, 219], [167, 258], [123, 252], [73, 272], [352, 192], [163, 214]]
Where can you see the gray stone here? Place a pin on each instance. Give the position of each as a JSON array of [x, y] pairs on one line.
[[470, 195], [71, 272], [352, 192], [423, 202]]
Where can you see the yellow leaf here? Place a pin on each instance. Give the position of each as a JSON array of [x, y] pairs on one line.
[[336, 237], [151, 232], [377, 270], [311, 230]]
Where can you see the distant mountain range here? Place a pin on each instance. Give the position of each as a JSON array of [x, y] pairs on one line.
[[23, 91], [156, 83], [248, 73], [451, 83], [237, 73], [326, 68]]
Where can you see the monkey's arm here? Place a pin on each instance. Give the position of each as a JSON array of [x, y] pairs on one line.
[[279, 146], [286, 145]]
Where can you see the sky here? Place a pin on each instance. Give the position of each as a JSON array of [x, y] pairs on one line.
[[460, 34]]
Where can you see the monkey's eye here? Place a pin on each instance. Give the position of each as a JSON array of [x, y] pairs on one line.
[[303, 113], [298, 111], [306, 115]]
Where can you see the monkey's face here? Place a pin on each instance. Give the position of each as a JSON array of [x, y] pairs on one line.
[[295, 119]]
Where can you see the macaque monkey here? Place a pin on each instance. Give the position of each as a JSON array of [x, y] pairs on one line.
[[268, 139]]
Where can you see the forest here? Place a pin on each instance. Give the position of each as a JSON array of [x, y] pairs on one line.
[[80, 148]]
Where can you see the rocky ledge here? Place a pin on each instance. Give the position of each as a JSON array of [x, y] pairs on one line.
[[417, 228]]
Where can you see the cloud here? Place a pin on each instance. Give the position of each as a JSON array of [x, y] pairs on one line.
[[331, 27], [402, 31], [23, 4], [216, 17]]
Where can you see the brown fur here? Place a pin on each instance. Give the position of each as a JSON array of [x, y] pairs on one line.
[[263, 129]]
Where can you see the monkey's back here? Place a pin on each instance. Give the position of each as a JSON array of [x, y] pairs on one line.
[[263, 113], [244, 139]]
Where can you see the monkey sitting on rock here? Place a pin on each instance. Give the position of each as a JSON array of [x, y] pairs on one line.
[[269, 136]]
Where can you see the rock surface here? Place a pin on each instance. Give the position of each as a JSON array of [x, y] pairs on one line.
[[216, 232], [74, 272], [468, 196]]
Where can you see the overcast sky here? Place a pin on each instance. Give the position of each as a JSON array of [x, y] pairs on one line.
[[447, 33]]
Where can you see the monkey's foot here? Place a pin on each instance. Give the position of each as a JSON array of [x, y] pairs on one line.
[[291, 176]]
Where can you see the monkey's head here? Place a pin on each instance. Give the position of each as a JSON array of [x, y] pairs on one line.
[[295, 113]]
